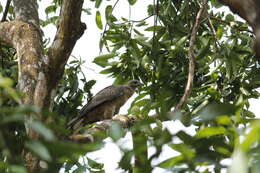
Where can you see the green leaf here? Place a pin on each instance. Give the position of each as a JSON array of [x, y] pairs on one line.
[[219, 32], [154, 28], [51, 9], [43, 130], [181, 41], [239, 162], [230, 18], [1, 8], [171, 162], [135, 110], [184, 149], [106, 71], [89, 85], [5, 82], [98, 20], [51, 20], [251, 137], [214, 110], [216, 3], [132, 2], [186, 138], [97, 4], [87, 11], [17, 169], [102, 60], [211, 131], [125, 162], [39, 149], [108, 12], [94, 164], [116, 131]]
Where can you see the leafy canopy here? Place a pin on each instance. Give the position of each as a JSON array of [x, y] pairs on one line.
[[154, 50]]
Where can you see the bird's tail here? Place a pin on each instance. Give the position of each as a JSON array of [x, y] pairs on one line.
[[75, 125]]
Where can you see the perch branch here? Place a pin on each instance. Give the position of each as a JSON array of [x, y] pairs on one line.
[[92, 134], [191, 58], [125, 121]]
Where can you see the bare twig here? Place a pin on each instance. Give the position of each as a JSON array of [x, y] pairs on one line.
[[191, 58], [7, 5], [228, 23], [214, 33], [136, 21]]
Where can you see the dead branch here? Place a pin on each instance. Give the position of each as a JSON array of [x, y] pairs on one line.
[[192, 58]]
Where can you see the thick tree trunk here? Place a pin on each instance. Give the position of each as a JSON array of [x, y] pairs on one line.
[[39, 74]]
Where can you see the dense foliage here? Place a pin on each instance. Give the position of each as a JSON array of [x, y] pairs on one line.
[[155, 51]]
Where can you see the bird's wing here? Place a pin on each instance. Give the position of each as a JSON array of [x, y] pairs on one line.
[[107, 94]]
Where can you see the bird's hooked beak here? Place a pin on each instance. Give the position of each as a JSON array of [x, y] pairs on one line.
[[140, 84]]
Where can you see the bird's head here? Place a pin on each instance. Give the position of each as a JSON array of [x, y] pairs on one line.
[[134, 84]]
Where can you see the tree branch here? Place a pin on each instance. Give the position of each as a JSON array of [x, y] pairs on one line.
[[70, 29], [25, 38], [228, 23], [125, 121], [93, 134], [7, 5], [191, 58], [27, 11]]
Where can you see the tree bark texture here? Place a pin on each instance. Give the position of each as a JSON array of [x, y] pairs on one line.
[[250, 11], [40, 73]]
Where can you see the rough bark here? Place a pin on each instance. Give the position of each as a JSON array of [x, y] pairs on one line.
[[27, 11], [25, 38], [250, 11], [39, 74], [93, 134]]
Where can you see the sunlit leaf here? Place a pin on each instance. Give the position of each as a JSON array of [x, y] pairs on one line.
[[171, 162], [98, 20], [219, 32], [239, 162], [184, 149], [211, 131]]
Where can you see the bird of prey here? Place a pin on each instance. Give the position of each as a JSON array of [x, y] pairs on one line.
[[104, 105]]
